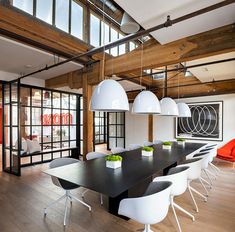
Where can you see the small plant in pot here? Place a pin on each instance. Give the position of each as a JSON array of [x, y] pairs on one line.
[[113, 161], [147, 151], [181, 141], [166, 145]]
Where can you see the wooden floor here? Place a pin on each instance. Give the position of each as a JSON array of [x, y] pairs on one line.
[[22, 200]]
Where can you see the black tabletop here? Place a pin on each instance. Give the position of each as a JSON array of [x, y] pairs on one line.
[[94, 175]]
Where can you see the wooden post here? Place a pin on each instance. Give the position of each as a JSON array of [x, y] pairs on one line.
[[87, 118], [150, 128]]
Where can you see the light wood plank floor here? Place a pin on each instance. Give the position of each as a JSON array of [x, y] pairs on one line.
[[22, 200]]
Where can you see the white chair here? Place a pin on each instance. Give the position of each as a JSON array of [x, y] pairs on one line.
[[117, 150], [147, 143], [213, 151], [206, 159], [90, 156], [67, 186], [194, 173], [179, 178], [151, 208], [157, 141], [134, 146]]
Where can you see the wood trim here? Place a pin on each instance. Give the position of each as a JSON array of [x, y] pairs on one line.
[[150, 128]]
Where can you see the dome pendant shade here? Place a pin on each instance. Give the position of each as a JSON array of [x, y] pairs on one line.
[[169, 107], [109, 96], [146, 103], [184, 110], [128, 24]]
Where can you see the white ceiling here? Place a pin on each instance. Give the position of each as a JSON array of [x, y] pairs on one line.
[[22, 59], [154, 12], [221, 71]]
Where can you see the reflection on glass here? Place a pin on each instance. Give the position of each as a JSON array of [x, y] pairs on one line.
[[25, 5], [65, 101], [47, 98], [56, 100], [94, 31], [36, 97], [7, 115], [14, 115], [62, 15], [25, 116], [77, 20], [44, 10], [36, 116], [25, 96], [73, 131], [73, 102], [104, 33]]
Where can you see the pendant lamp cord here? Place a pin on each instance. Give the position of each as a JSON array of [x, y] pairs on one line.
[[141, 63], [178, 87], [103, 26]]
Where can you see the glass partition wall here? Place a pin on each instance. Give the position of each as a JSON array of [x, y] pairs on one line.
[[49, 117]]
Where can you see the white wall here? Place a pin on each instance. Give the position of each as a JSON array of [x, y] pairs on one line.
[[6, 76], [164, 127], [136, 128]]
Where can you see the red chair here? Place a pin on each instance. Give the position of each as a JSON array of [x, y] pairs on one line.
[[227, 152]]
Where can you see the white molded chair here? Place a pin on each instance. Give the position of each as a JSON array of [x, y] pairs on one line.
[[206, 158], [213, 151], [179, 178], [90, 156], [151, 208], [67, 186], [117, 150], [147, 143], [194, 173], [134, 146]]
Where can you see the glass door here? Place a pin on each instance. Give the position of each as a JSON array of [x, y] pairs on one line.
[[11, 131], [116, 130]]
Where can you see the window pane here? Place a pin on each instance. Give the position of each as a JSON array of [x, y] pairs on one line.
[[122, 48], [25, 5], [62, 14], [77, 20], [104, 33], [95, 31], [132, 46], [114, 37], [44, 10]]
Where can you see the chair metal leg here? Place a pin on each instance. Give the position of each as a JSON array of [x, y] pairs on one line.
[[191, 194], [215, 167], [78, 200], [205, 181], [101, 199], [184, 211], [147, 228], [198, 193], [83, 194], [176, 218], [53, 203], [212, 174], [207, 194], [208, 176], [66, 209]]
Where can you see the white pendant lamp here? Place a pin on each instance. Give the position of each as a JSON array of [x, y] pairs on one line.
[[128, 24], [146, 103], [169, 107], [109, 96], [184, 110]]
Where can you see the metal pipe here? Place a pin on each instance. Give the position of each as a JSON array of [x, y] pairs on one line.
[[137, 35]]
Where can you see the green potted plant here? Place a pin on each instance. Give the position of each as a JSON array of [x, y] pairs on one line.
[[181, 141], [166, 145], [147, 151], [113, 161]]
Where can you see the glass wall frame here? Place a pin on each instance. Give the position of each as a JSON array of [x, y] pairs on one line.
[[49, 116]]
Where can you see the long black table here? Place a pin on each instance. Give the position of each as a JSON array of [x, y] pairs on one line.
[[131, 179]]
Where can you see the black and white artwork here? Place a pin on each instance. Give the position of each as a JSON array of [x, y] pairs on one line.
[[206, 122]]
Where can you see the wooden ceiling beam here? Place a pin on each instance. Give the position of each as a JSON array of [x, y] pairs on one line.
[[214, 42], [193, 90]]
